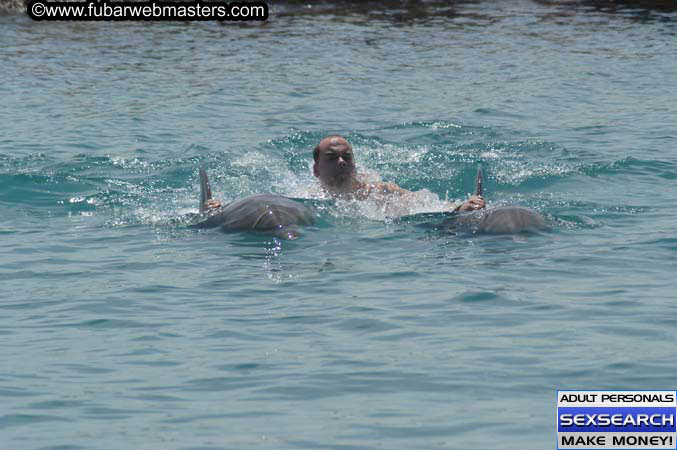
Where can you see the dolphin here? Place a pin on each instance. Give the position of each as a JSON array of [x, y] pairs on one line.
[[500, 220], [269, 213]]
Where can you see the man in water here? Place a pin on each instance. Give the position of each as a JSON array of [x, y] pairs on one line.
[[335, 168]]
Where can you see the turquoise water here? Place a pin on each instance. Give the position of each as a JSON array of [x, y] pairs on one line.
[[122, 328]]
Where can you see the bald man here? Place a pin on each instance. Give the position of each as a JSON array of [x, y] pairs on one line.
[[335, 168]]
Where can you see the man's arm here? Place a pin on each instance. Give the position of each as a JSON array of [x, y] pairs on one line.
[[363, 189], [391, 188], [473, 203]]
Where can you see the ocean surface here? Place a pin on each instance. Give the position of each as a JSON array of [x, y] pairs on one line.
[[122, 328]]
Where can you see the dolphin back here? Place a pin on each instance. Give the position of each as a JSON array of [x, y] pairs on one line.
[[500, 220], [272, 213], [511, 220]]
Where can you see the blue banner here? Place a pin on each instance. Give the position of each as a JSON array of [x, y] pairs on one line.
[[616, 419]]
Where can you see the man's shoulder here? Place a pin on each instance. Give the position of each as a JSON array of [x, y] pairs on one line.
[[389, 188], [363, 184]]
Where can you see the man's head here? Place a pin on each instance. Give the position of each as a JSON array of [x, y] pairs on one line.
[[334, 162]]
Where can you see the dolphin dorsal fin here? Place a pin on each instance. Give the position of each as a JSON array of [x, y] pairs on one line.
[[478, 183], [205, 189]]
